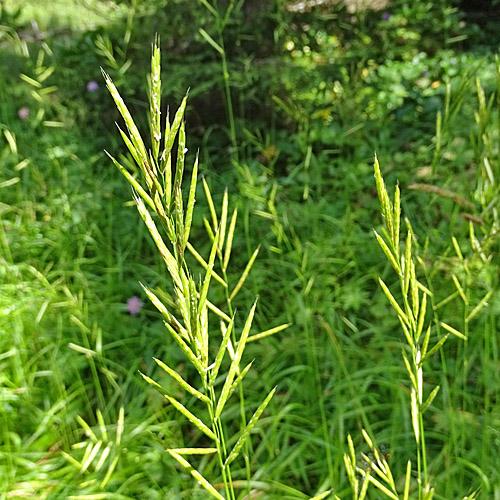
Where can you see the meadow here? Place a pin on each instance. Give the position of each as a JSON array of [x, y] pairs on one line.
[[249, 249]]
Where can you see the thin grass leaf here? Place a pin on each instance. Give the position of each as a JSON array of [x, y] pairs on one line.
[[156, 385], [269, 332], [172, 133], [109, 472], [410, 370], [135, 184], [194, 420], [189, 388], [392, 300], [421, 317], [322, 496], [482, 303], [382, 488], [430, 399], [191, 201], [438, 345], [406, 493], [202, 261], [199, 478], [211, 41], [194, 451], [239, 378], [103, 457], [223, 221], [217, 311], [185, 348], [459, 288], [88, 431], [244, 275], [164, 251], [229, 242], [208, 275], [181, 152], [453, 331], [387, 252], [248, 429], [135, 136], [90, 458], [155, 98], [397, 219], [211, 205], [235, 363], [102, 425], [164, 311], [220, 353]]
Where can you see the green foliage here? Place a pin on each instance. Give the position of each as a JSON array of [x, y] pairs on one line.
[[288, 102]]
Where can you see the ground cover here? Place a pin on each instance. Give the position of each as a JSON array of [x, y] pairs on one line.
[[295, 149]]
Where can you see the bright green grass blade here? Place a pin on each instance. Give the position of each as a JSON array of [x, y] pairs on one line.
[[454, 331], [223, 220], [202, 261], [269, 332], [164, 311], [181, 152], [178, 119], [191, 201], [244, 275], [210, 40], [438, 345], [220, 353], [421, 317], [382, 488], [392, 300], [109, 473], [88, 431], [248, 429], [164, 252], [133, 151], [155, 98], [239, 378], [135, 184], [229, 242], [235, 363], [217, 311], [185, 348], [211, 206], [182, 382], [396, 219], [199, 478], [194, 451], [430, 399], [406, 493], [155, 384], [166, 167], [179, 223], [135, 136], [410, 370], [102, 425], [482, 303], [194, 420], [90, 457], [208, 275], [322, 496], [387, 252]]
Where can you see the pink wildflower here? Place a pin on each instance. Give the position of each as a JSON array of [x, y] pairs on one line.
[[92, 86], [23, 113], [134, 305]]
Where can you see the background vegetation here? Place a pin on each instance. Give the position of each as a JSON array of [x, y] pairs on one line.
[[288, 102]]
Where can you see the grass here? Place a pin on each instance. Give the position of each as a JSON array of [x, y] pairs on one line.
[[78, 421]]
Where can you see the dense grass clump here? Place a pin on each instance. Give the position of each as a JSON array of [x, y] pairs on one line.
[[287, 351]]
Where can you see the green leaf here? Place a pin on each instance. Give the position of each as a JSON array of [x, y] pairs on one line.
[[244, 275], [248, 429], [430, 399], [194, 420], [191, 201], [220, 353], [235, 363], [208, 275], [199, 478], [182, 382], [229, 242], [453, 331], [392, 300], [269, 332], [211, 41]]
